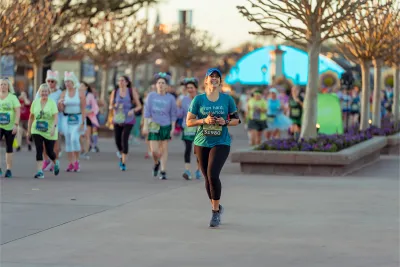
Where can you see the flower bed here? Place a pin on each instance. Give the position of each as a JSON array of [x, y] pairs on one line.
[[323, 143]]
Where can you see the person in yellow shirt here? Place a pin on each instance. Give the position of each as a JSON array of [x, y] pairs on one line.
[[42, 126], [256, 110], [9, 120]]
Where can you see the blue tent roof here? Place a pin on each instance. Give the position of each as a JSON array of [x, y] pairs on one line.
[[249, 69]]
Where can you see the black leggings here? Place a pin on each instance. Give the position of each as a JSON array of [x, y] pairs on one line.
[[211, 161], [48, 144], [121, 134], [9, 137], [188, 150]]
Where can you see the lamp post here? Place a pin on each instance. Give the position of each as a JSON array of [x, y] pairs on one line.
[[264, 70]]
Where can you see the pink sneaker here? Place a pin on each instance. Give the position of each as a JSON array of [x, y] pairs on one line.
[[49, 167], [45, 164], [70, 168], [77, 167]]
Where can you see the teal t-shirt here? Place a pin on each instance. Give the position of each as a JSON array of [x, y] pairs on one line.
[[212, 135]]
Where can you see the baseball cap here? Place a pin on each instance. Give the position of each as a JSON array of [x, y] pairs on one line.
[[212, 70]]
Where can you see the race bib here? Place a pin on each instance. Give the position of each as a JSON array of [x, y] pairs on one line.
[[4, 118], [119, 118], [189, 131], [154, 127], [212, 130], [42, 126], [271, 118], [296, 112], [73, 119], [355, 107]]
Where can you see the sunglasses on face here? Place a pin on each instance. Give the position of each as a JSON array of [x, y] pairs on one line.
[[51, 81]]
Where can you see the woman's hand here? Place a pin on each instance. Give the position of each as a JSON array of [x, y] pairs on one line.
[[221, 121], [14, 129], [131, 112], [53, 131], [210, 119]]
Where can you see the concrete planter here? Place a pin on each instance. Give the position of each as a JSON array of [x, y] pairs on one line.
[[393, 145], [310, 163]]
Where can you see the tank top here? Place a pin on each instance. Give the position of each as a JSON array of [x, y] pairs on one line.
[[72, 104], [122, 106]]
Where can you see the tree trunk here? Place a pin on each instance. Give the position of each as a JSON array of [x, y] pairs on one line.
[[396, 92], [133, 74], [376, 115], [364, 122], [38, 76], [309, 120], [104, 83]]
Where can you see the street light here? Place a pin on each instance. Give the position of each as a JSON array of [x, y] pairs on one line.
[[264, 72]]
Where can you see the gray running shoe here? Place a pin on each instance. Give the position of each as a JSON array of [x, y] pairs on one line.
[[215, 219]]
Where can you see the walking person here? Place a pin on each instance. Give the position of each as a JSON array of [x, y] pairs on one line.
[[42, 126], [124, 101], [159, 123], [52, 80], [73, 105], [188, 133], [212, 112], [92, 109], [9, 121], [276, 119], [23, 124]]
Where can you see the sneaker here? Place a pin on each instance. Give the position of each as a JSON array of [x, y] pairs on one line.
[[221, 211], [163, 176], [118, 154], [198, 174], [123, 167], [29, 147], [45, 164], [18, 149], [39, 175], [215, 219], [187, 175], [77, 167], [96, 148], [57, 168], [8, 174], [156, 169], [49, 167], [70, 168], [84, 156]]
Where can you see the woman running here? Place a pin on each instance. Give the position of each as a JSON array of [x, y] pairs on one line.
[[256, 110], [124, 101], [160, 117], [276, 118], [212, 142], [52, 78], [42, 126], [9, 121], [296, 111], [188, 133], [73, 105]]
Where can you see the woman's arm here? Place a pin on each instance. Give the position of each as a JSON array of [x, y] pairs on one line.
[[60, 103], [192, 121], [30, 122], [82, 97], [136, 99], [111, 105]]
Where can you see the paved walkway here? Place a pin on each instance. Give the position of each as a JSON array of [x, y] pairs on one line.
[[103, 217]]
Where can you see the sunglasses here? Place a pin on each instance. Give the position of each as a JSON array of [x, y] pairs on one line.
[[51, 81]]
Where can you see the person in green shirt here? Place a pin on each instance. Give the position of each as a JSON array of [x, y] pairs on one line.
[[296, 111], [257, 111], [42, 126], [9, 120]]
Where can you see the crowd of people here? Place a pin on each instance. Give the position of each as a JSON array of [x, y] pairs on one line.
[[67, 120]]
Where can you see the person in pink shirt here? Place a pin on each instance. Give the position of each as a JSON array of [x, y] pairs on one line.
[[92, 124]]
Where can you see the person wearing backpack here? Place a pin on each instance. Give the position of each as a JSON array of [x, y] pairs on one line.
[[124, 102]]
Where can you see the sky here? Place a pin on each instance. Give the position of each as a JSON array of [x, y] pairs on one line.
[[219, 17]]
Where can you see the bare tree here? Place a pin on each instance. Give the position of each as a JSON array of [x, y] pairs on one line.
[[18, 21], [186, 47], [140, 44], [392, 57], [367, 46], [105, 44], [307, 23]]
